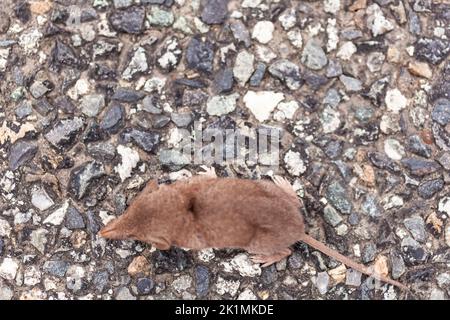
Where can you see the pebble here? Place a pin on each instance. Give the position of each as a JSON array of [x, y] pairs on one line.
[[262, 103], [130, 20], [313, 55], [202, 281], [40, 199], [9, 268], [215, 11], [124, 294], [138, 64], [258, 75], [6, 293], [369, 252], [441, 111], [416, 226], [224, 286], [427, 189], [288, 19], [346, 50], [127, 95], [223, 80], [57, 216], [144, 286], [4, 22], [431, 50], [337, 195], [200, 55], [395, 100], [351, 84], [245, 266], [113, 118], [394, 149], [371, 206], [83, 176], [240, 32], [263, 31], [420, 167], [159, 17], [221, 105], [331, 216], [21, 152], [418, 147], [243, 67], [38, 238], [182, 283], [130, 159], [397, 265], [322, 282], [63, 134], [421, 69], [139, 265], [146, 140], [74, 219], [413, 253], [376, 21], [288, 72], [91, 105]]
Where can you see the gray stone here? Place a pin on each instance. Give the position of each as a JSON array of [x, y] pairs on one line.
[[258, 75], [39, 89], [4, 25], [364, 113], [65, 55], [56, 268], [215, 11], [441, 111], [202, 281], [322, 282], [92, 104], [100, 280], [144, 286], [200, 55], [334, 69], [63, 134], [416, 145], [243, 67], [113, 118], [159, 17], [6, 293], [337, 195], [146, 140], [444, 160], [74, 219], [181, 119], [369, 252], [414, 23], [331, 216], [149, 105], [221, 105], [313, 55], [428, 189], [127, 95], [351, 84], [371, 206], [288, 72], [353, 278], [223, 81], [397, 265], [416, 226], [102, 151], [40, 199], [83, 176], [21, 152], [413, 252], [130, 20], [160, 121], [240, 32], [23, 109], [173, 158], [120, 4], [332, 98]]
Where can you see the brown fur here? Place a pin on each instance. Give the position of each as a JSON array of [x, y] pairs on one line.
[[207, 212]]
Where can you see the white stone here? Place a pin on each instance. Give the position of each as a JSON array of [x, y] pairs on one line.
[[227, 286], [262, 103], [40, 199], [247, 294], [245, 266], [394, 149], [80, 88], [155, 84], [295, 37], [29, 41], [8, 268], [395, 100], [5, 228], [288, 19], [32, 276], [221, 105], [130, 158], [286, 110], [331, 6], [263, 31], [330, 120], [322, 281], [138, 63], [294, 163], [206, 255], [333, 36], [251, 3], [4, 54], [444, 205], [243, 67], [346, 50], [376, 21], [389, 124], [182, 283], [264, 54], [57, 217]]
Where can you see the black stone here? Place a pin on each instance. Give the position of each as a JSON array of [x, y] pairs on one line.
[[82, 177], [64, 104], [62, 135], [223, 81], [74, 219], [200, 55], [100, 280], [144, 286], [192, 83], [63, 54], [160, 121], [127, 95], [93, 225], [381, 161], [113, 118], [428, 189], [101, 151], [94, 132], [130, 20], [419, 167], [215, 11], [103, 72], [173, 260], [146, 140], [43, 107], [21, 152], [22, 11], [269, 275], [202, 276], [432, 50]]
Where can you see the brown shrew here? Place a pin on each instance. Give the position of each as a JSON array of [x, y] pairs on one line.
[[260, 216]]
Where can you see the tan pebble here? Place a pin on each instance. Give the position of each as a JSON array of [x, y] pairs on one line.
[[338, 274], [447, 234], [435, 223], [368, 175], [421, 69], [393, 55], [138, 265], [40, 7], [381, 266], [358, 5]]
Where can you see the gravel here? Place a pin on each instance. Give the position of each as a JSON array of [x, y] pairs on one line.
[[91, 111]]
